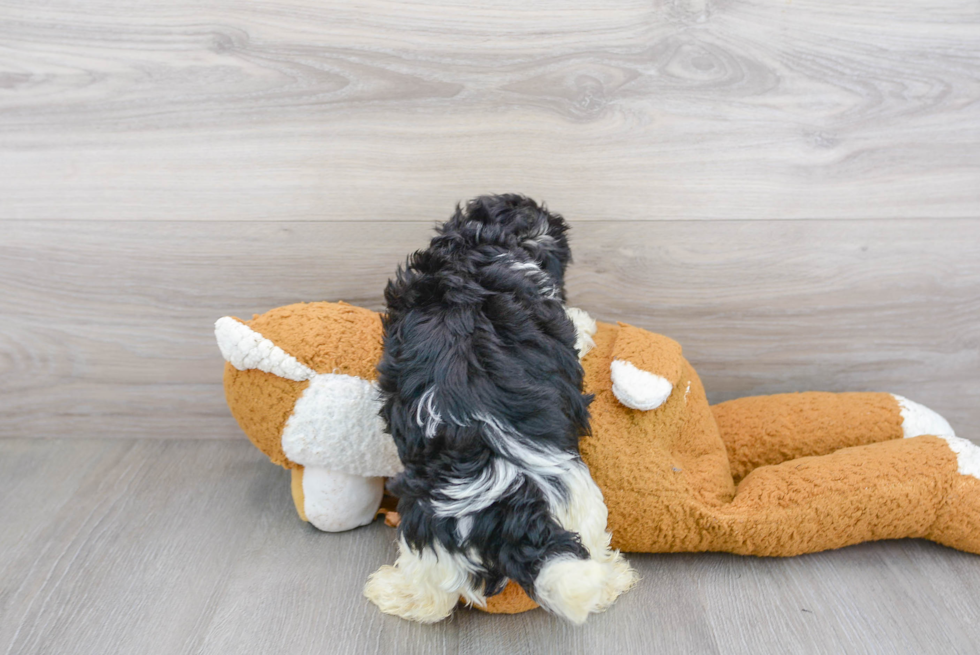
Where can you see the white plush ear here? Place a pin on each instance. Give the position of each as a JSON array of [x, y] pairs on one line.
[[244, 348], [638, 389], [336, 425]]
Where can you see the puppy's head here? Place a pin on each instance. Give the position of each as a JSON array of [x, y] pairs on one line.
[[513, 221]]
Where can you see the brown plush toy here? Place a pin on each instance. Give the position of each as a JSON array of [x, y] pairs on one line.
[[770, 475]]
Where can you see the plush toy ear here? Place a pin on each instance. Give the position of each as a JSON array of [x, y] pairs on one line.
[[246, 349], [645, 367], [262, 384]]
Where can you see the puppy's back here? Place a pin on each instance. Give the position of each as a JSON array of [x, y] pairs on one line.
[[482, 390]]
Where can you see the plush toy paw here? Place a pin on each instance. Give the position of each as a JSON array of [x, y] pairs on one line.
[[638, 389], [334, 501], [918, 420]]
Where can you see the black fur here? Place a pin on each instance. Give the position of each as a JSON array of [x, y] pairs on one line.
[[471, 320]]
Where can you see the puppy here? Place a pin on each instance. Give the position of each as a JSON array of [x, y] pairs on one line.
[[482, 391]]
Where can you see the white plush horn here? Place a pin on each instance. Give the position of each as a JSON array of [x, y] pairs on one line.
[[244, 348]]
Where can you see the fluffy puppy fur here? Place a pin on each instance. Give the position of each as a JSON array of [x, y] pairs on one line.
[[482, 394]]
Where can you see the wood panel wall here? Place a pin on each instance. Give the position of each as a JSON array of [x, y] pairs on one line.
[[790, 189]]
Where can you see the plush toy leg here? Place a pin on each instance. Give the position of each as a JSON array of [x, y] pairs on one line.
[[765, 430], [958, 524], [296, 487], [912, 487], [334, 501]]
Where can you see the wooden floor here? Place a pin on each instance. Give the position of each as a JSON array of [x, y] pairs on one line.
[[164, 546]]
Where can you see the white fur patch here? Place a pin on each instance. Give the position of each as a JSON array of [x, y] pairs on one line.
[[245, 349], [516, 462], [536, 462], [574, 588], [336, 425], [581, 509], [638, 389], [494, 482], [585, 327], [918, 420], [335, 501], [967, 455], [585, 513], [539, 277], [585, 510], [464, 526], [426, 586], [570, 587], [432, 419], [537, 459]]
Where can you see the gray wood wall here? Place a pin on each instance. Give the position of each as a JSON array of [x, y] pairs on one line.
[[790, 189]]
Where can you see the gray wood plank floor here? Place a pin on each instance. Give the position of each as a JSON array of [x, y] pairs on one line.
[[154, 546]]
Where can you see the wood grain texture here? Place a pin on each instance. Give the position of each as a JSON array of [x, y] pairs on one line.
[[380, 110], [150, 546], [107, 327]]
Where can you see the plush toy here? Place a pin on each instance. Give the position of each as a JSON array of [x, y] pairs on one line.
[[770, 475]]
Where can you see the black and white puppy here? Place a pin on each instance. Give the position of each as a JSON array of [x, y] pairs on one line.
[[482, 392]]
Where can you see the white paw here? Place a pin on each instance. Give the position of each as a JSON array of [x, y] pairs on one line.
[[619, 578], [574, 588], [412, 600], [334, 501], [638, 389], [388, 589], [570, 587], [424, 586], [918, 420]]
